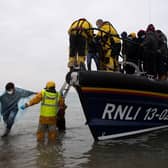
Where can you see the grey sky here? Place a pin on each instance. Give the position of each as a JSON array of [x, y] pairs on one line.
[[34, 39]]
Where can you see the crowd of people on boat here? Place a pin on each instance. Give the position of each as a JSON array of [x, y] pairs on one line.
[[145, 50]]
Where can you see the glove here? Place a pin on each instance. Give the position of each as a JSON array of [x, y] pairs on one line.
[[23, 107]]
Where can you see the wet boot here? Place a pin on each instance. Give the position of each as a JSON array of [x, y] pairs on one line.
[[71, 63], [81, 63], [40, 136], [52, 136], [5, 134]]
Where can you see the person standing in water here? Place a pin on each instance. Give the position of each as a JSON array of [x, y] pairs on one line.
[[49, 99], [9, 104]]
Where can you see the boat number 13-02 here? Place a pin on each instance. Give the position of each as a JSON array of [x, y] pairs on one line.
[[151, 113], [129, 112]]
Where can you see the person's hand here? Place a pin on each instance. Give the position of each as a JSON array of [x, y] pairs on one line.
[[23, 106]]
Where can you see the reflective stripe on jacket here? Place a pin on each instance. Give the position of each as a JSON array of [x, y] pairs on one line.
[[49, 104]]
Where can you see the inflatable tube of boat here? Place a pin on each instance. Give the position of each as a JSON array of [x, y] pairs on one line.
[[118, 80]]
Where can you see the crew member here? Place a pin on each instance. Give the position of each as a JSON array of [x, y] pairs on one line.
[[79, 33], [49, 99], [111, 45]]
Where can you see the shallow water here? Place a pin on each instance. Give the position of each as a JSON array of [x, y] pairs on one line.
[[76, 148]]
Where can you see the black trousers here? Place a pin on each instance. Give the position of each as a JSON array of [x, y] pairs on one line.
[[77, 45], [150, 62]]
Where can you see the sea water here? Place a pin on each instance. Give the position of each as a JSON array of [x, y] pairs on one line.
[[76, 147]]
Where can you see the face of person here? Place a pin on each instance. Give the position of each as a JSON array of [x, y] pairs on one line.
[[10, 92], [99, 23]]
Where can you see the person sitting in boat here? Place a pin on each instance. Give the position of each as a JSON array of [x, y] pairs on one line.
[[111, 45], [79, 33], [150, 46]]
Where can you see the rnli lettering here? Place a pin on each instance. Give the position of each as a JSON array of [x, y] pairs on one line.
[[130, 112], [120, 112]]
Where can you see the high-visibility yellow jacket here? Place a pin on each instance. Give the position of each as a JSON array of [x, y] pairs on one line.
[[49, 106], [82, 27]]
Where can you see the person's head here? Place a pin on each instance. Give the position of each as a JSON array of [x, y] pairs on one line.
[[132, 35], [150, 28], [159, 33], [10, 88], [50, 85], [99, 23], [141, 34], [124, 34]]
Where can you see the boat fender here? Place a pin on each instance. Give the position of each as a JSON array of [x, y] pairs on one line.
[[74, 78], [68, 77]]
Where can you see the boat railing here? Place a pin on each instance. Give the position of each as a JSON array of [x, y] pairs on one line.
[[137, 70]]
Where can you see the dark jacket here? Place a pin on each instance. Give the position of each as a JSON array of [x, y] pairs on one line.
[[10, 102]]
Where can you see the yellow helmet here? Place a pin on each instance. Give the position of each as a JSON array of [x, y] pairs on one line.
[[133, 35], [50, 84]]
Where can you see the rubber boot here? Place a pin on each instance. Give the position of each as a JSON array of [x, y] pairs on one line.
[[71, 62], [52, 136], [81, 63], [40, 136], [110, 65]]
